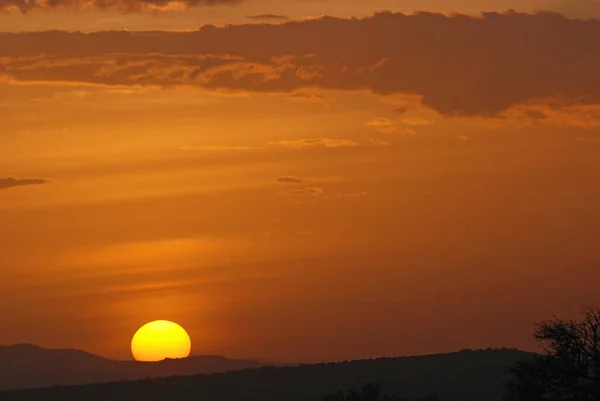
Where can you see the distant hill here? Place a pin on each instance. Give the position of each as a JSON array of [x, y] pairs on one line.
[[460, 376], [30, 366]]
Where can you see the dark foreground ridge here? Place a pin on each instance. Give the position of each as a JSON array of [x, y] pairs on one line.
[[461, 376], [30, 366]]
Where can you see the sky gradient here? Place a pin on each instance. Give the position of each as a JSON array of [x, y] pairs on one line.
[[296, 187]]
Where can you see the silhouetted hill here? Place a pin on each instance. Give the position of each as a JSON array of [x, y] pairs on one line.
[[30, 366], [461, 376]]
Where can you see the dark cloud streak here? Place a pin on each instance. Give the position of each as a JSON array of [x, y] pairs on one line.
[[290, 180], [11, 182]]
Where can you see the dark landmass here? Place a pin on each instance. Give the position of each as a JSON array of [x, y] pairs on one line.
[[461, 376], [30, 366]]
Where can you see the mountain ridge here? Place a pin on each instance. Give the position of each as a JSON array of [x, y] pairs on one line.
[[31, 366], [466, 375]]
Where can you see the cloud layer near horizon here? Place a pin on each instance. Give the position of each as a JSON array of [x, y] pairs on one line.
[[123, 5], [460, 65]]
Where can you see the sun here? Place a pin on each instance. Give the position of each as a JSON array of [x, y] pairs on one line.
[[160, 340]]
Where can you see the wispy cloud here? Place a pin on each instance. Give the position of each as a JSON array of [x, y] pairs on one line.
[[307, 97], [216, 148], [312, 191], [268, 17], [415, 121], [352, 195], [388, 126], [123, 5], [315, 142], [383, 125], [378, 142], [290, 180], [309, 143]]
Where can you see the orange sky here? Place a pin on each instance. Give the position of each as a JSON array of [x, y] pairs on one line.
[[323, 189]]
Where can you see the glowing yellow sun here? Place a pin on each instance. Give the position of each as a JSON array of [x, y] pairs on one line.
[[159, 340]]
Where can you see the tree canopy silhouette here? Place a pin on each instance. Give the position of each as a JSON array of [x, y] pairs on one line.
[[568, 370]]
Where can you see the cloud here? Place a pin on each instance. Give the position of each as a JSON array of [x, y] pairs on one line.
[[378, 142], [387, 126], [317, 192], [313, 191], [383, 125], [578, 8], [536, 114], [268, 17], [290, 180], [309, 143], [347, 195], [481, 66], [11, 182], [216, 148], [415, 121], [305, 97], [380, 122], [315, 143], [352, 195], [555, 113], [123, 5]]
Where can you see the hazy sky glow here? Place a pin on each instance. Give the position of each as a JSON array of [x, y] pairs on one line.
[[324, 188]]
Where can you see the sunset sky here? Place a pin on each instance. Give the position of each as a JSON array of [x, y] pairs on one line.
[[297, 180]]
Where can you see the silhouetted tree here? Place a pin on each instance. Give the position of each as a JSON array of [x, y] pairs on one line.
[[371, 392], [569, 369]]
